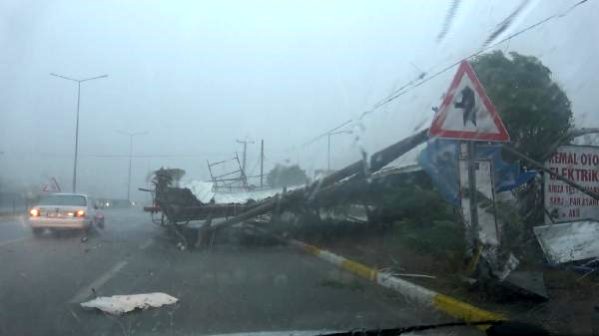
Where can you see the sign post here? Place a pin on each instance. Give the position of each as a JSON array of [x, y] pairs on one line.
[[467, 151], [467, 114]]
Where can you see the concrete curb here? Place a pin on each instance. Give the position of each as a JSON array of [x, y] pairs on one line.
[[417, 293]]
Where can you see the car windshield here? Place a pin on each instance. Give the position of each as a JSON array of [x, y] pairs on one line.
[[63, 200], [298, 166]]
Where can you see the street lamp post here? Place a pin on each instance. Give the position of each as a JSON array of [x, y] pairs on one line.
[[131, 135], [79, 81], [329, 146]]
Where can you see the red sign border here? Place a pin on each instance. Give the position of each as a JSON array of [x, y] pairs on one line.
[[436, 127]]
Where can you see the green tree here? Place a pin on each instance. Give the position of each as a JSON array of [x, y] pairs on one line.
[[283, 176], [535, 110]]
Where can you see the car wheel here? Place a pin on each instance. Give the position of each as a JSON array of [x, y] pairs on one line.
[[37, 231]]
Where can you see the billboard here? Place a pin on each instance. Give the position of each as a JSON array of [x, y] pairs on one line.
[[564, 203]]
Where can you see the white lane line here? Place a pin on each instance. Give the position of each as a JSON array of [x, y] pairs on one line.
[[85, 292], [12, 241], [146, 244]]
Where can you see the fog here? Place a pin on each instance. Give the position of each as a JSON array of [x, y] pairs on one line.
[[197, 76]]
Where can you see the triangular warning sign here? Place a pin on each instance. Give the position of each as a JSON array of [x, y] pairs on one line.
[[53, 186], [466, 112]]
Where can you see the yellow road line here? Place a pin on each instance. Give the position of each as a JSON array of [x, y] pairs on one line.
[[464, 311], [446, 304], [311, 249]]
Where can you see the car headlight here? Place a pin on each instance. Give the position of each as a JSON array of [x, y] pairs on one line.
[[34, 212]]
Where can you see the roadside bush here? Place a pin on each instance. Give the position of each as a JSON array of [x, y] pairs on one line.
[[440, 238], [415, 204]]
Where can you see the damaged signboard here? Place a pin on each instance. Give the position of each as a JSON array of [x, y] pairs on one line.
[[565, 203], [567, 242]]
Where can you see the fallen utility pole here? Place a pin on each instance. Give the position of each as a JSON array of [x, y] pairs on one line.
[[569, 136], [359, 168], [540, 166]]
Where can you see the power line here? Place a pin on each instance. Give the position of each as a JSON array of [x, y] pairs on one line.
[[415, 83], [345, 123], [401, 92], [121, 155], [148, 155], [451, 66]]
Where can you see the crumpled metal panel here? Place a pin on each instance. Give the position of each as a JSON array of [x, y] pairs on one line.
[[567, 242]]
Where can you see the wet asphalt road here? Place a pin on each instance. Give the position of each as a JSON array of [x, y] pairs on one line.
[[239, 285]]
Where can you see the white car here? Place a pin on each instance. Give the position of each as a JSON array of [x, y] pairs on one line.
[[64, 211]]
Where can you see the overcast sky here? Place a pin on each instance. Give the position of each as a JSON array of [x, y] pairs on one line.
[[197, 75]]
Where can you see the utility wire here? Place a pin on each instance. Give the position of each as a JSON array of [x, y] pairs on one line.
[[119, 155], [451, 66], [415, 83], [345, 123]]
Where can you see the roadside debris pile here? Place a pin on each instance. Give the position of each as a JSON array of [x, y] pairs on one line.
[[180, 207], [569, 242], [479, 176], [497, 195], [204, 191]]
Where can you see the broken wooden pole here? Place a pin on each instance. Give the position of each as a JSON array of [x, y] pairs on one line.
[[377, 161], [568, 137], [540, 166]]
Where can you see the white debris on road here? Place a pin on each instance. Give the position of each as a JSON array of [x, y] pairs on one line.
[[204, 192], [120, 304]]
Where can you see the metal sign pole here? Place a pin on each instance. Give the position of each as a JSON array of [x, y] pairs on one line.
[[472, 190], [468, 187]]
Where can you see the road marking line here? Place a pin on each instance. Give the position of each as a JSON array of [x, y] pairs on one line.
[[8, 242], [146, 244], [449, 305], [98, 283], [360, 269], [463, 310]]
